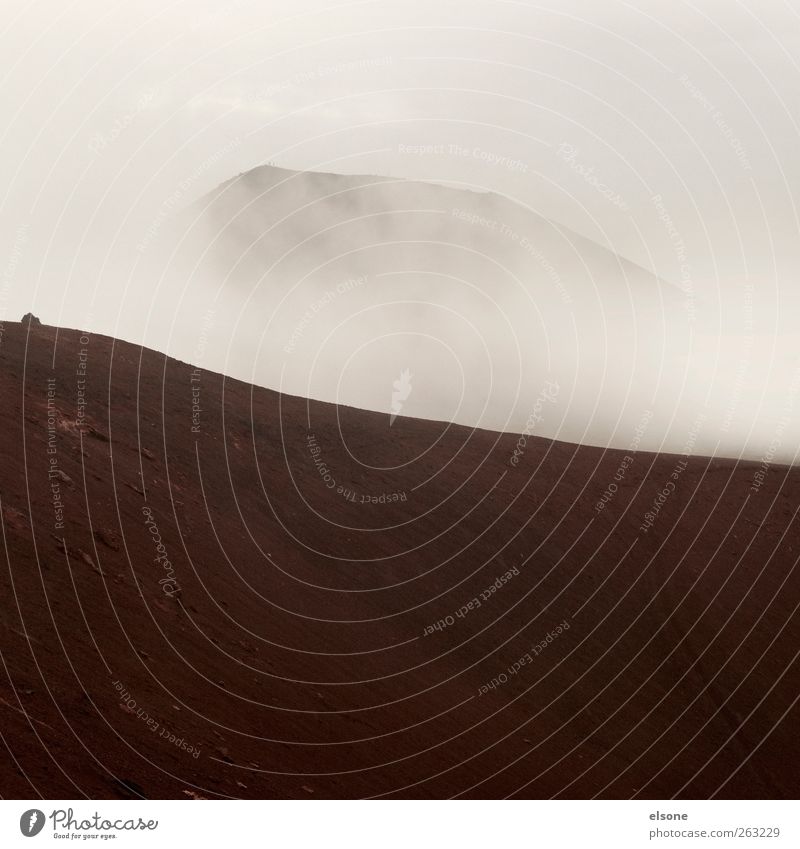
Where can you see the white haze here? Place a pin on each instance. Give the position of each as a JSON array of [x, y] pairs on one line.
[[639, 161]]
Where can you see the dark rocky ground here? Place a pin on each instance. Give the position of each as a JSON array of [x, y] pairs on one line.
[[285, 639]]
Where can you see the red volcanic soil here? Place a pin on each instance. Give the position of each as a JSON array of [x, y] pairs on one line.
[[283, 644]]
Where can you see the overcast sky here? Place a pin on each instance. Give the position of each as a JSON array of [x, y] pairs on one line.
[[664, 131]]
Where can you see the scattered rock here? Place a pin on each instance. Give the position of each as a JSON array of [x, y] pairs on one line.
[[15, 519], [223, 754], [93, 431], [86, 558], [130, 787], [108, 538]]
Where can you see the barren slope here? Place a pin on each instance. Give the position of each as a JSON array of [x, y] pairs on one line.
[[298, 654]]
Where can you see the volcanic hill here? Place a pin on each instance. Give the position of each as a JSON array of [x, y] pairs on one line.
[[210, 589]]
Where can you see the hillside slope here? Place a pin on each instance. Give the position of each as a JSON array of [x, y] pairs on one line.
[[309, 624]]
